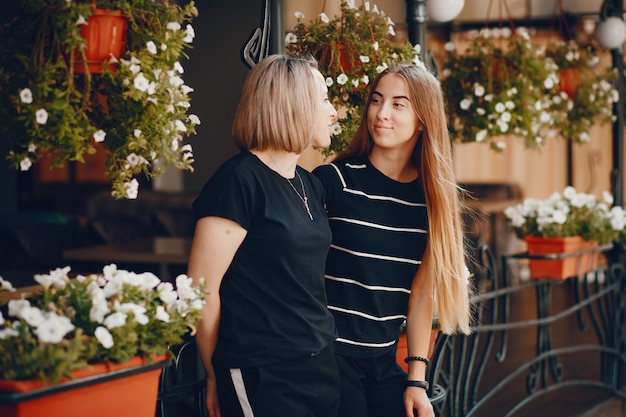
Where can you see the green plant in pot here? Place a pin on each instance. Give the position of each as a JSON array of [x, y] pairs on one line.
[[352, 49], [138, 106]]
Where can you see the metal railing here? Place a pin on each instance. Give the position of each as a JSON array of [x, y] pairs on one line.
[[532, 338]]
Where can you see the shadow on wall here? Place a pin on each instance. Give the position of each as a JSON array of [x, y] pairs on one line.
[[216, 72]]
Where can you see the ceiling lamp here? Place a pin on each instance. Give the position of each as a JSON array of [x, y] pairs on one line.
[[444, 10], [610, 31]]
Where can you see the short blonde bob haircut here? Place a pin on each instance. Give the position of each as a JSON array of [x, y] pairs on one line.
[[278, 105]]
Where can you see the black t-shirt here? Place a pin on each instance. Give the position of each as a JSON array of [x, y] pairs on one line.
[[273, 301], [380, 230]]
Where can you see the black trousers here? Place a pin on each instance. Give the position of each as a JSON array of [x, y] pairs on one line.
[[300, 387], [371, 387]]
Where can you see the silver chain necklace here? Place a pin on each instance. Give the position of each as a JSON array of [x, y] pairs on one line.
[[304, 197]]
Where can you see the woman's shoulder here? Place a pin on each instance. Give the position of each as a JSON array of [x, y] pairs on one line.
[[341, 167]]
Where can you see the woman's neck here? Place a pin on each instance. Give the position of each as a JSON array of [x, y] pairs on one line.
[[282, 162], [395, 165]]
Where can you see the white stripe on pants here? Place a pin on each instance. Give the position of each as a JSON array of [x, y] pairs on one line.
[[240, 389]]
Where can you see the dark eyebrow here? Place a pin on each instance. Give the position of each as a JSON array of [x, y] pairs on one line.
[[395, 97]]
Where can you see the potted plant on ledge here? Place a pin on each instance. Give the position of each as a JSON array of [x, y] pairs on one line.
[[93, 345], [566, 222], [56, 102]]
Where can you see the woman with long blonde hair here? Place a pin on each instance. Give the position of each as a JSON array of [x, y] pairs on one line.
[[398, 244]]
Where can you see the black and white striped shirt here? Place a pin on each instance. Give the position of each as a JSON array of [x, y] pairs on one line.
[[379, 231]]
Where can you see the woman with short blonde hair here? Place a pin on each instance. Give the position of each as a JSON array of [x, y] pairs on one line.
[[261, 239]]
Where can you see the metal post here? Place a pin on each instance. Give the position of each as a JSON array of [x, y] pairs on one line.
[[277, 32], [416, 26], [617, 175]]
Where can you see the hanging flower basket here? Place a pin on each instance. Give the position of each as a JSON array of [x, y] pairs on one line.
[[352, 49], [102, 390], [48, 111], [586, 94], [105, 37], [498, 87]]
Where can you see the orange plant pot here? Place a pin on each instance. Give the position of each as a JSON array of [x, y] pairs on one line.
[[570, 79], [102, 390], [403, 351], [565, 267], [105, 34]]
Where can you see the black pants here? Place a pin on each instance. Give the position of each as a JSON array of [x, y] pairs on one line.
[[300, 387], [371, 387]]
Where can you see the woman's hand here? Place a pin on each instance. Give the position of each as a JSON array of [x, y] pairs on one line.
[[212, 404], [416, 399]]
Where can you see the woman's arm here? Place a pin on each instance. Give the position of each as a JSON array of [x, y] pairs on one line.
[[418, 330], [214, 245]]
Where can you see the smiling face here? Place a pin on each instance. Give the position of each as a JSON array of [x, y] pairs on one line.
[[391, 118], [325, 114]]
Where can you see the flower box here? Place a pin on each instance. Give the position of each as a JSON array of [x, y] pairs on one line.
[[106, 389], [563, 266]]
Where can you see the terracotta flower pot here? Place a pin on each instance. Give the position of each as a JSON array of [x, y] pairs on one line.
[[105, 34], [561, 268], [402, 350], [102, 390], [569, 80]]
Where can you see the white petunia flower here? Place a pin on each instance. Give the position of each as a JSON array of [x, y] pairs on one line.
[[336, 127], [323, 17], [161, 314], [291, 38], [26, 96], [132, 159], [190, 34], [173, 26], [465, 103], [342, 79], [99, 136], [194, 119], [481, 135], [479, 90], [141, 83], [53, 328], [25, 164], [117, 319], [299, 15], [104, 337], [132, 189], [41, 116], [151, 46]]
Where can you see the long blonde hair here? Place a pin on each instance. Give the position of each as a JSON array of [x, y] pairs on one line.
[[445, 257]]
